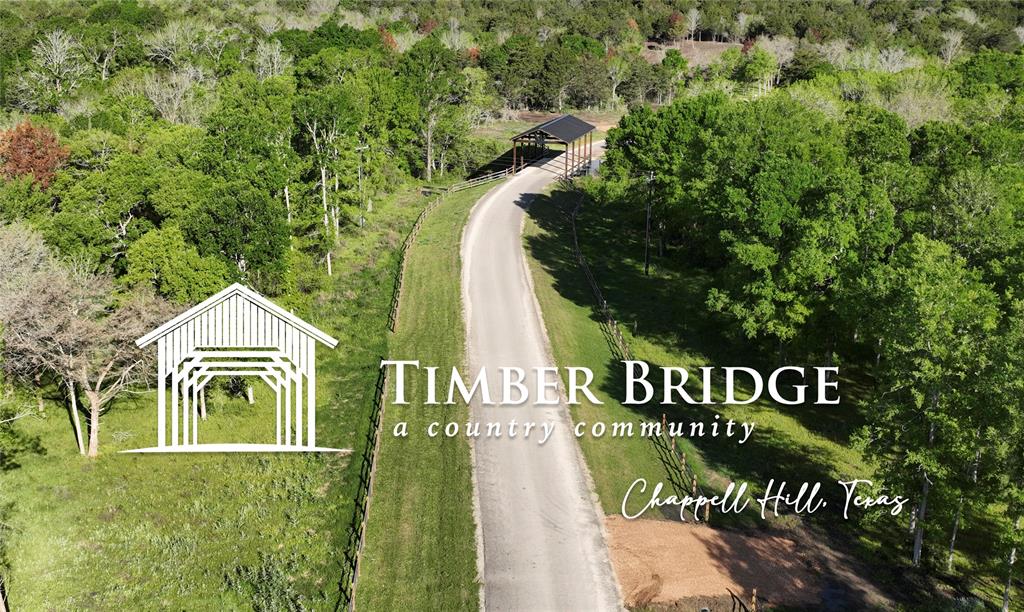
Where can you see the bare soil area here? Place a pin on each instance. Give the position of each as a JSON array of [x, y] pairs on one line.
[[661, 564], [697, 53]]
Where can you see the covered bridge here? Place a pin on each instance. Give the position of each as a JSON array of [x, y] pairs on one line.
[[573, 134], [236, 332]]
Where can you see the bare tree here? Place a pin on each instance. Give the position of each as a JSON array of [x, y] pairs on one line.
[[268, 24], [743, 23], [56, 69], [455, 38], [835, 51], [354, 19], [176, 94], [405, 40], [692, 22], [172, 43], [64, 321], [270, 60], [896, 59], [953, 45], [783, 49], [967, 16]]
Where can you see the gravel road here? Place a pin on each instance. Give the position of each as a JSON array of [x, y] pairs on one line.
[[543, 547]]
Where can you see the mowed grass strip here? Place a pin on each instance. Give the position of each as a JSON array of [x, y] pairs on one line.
[[420, 549], [577, 339]]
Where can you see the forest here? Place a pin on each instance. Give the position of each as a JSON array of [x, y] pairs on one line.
[[849, 174]]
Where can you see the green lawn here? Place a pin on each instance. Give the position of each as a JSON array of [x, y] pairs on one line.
[[420, 543], [210, 532]]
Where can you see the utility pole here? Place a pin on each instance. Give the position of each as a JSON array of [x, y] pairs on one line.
[[647, 231]]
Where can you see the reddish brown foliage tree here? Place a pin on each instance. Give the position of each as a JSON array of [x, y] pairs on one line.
[[30, 149], [428, 26], [387, 38]]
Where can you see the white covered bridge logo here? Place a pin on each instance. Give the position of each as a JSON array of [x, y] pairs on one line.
[[236, 332]]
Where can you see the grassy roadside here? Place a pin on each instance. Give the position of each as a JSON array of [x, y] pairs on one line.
[[210, 532], [667, 325], [420, 549], [803, 442]]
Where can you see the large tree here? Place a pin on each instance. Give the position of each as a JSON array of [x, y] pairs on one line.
[[936, 319], [432, 71], [71, 324]]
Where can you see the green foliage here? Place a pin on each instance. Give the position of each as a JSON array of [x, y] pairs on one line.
[[163, 260], [992, 68], [243, 226]]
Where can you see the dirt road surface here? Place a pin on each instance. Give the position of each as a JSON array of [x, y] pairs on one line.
[[543, 545]]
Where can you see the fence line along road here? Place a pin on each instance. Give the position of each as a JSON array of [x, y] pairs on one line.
[[368, 468], [680, 472]]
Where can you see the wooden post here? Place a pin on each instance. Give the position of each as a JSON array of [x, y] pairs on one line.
[[515, 145], [161, 400]]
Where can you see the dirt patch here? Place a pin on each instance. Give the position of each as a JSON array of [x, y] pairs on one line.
[[697, 53], [661, 564]]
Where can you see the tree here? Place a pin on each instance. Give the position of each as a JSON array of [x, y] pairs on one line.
[[244, 226], [162, 261], [56, 70], [179, 95], [68, 322], [936, 317], [431, 70], [30, 150], [953, 45], [101, 215], [692, 22], [101, 44], [760, 67], [515, 65], [270, 60], [618, 69]]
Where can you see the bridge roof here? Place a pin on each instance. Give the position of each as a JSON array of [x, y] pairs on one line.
[[565, 128]]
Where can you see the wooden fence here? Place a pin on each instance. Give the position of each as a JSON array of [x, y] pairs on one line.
[[680, 472], [368, 468]]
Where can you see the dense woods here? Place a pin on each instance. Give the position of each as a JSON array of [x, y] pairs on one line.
[[845, 224], [850, 174]]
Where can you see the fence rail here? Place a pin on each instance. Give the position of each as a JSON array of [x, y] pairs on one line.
[[368, 467], [680, 472]]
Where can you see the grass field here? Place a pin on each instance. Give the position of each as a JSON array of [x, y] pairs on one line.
[[210, 532], [420, 546]]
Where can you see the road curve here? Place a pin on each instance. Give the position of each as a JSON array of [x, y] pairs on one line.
[[543, 545]]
